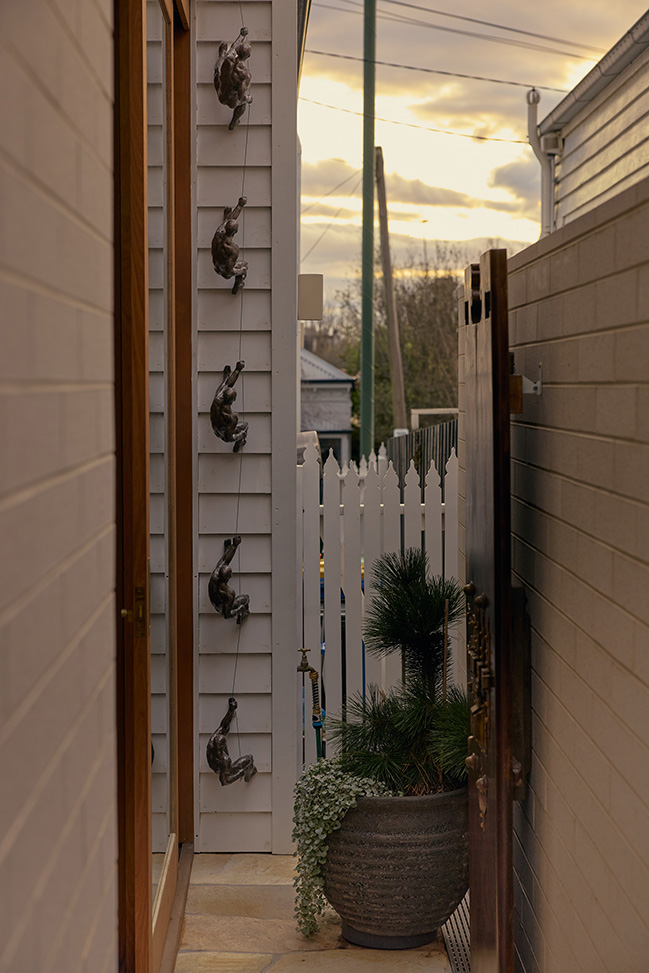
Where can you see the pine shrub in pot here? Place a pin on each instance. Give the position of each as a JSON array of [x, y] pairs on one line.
[[395, 866]]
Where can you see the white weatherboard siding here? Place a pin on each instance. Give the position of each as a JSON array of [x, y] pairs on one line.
[[157, 422], [603, 129], [257, 486], [58, 809]]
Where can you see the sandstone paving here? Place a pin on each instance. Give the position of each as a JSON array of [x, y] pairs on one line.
[[219, 962], [255, 901], [432, 959], [244, 869], [207, 868], [239, 919], [243, 934]]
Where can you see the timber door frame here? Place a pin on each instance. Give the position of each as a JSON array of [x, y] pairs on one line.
[[489, 605], [139, 950]]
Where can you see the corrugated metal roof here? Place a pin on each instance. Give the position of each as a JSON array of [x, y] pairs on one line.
[[627, 49], [315, 369]]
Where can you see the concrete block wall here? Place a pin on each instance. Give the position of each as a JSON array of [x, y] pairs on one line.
[[579, 303], [58, 815]]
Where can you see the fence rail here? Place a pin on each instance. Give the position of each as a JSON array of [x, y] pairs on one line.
[[346, 519]]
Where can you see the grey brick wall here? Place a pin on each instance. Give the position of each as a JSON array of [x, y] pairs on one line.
[[58, 834]]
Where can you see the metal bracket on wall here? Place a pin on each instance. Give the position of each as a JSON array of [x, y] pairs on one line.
[[533, 388], [519, 386]]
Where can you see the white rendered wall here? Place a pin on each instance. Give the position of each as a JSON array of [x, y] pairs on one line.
[[258, 325], [58, 810]]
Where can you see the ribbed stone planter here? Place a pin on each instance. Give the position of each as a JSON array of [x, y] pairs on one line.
[[398, 868]]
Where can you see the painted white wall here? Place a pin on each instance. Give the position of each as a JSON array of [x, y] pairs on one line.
[[159, 561], [58, 811], [258, 325], [326, 407]]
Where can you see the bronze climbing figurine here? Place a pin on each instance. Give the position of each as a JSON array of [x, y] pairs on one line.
[[224, 598], [226, 423], [232, 76], [225, 252], [218, 757]]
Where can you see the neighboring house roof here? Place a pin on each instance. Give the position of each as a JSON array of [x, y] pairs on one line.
[[315, 369], [627, 49]]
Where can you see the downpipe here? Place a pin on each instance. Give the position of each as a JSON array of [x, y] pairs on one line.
[[547, 220]]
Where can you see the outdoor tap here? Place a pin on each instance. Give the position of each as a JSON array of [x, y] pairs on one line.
[[304, 665]]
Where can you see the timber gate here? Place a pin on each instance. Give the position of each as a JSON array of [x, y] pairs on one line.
[[346, 519]]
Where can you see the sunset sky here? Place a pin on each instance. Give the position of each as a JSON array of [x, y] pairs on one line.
[[446, 187]]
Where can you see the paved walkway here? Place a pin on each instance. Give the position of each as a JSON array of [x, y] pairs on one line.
[[239, 919]]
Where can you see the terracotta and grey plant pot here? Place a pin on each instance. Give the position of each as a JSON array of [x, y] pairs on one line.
[[398, 867]]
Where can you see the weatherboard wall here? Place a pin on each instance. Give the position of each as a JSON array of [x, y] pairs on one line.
[[605, 147], [58, 810], [252, 492]]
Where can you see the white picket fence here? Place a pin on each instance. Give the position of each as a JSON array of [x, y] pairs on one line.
[[349, 518]]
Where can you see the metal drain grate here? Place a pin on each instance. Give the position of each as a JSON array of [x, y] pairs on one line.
[[457, 938]]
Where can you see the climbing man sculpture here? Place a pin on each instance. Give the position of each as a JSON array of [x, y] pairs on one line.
[[225, 252], [226, 423], [224, 598], [218, 757], [232, 76]]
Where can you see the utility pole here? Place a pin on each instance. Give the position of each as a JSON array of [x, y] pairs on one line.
[[396, 366], [367, 281]]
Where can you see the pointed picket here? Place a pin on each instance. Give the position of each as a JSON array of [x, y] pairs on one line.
[[412, 508], [332, 666], [383, 460], [433, 520], [310, 584], [362, 469], [451, 517], [299, 708], [371, 539], [352, 585], [391, 533], [391, 666], [451, 561]]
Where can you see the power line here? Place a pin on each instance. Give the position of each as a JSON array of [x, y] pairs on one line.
[[331, 222], [394, 18], [424, 128], [449, 74], [324, 195], [487, 23]]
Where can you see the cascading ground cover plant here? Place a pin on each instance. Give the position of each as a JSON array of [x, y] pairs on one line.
[[411, 740], [323, 795]]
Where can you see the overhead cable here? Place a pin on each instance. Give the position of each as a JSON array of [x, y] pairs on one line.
[[488, 23], [449, 74], [324, 195], [425, 128], [331, 222], [394, 18]]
